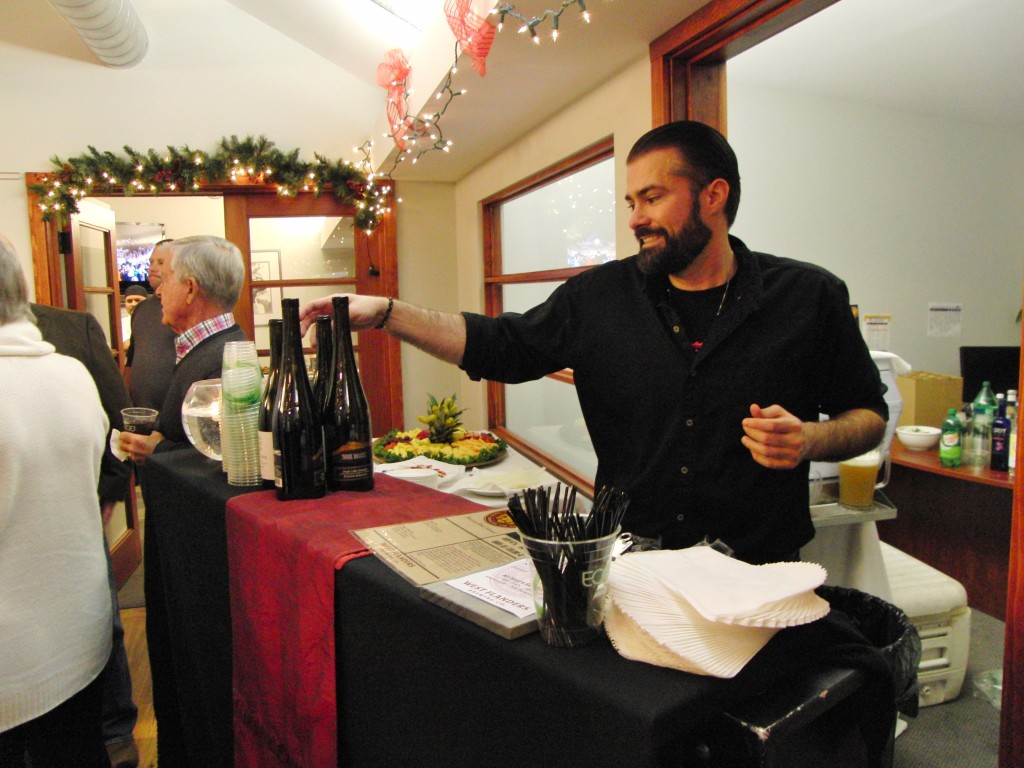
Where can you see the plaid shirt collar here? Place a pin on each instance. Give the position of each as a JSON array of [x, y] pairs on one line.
[[185, 342]]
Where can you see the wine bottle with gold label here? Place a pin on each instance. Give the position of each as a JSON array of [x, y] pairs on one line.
[[346, 416], [298, 436]]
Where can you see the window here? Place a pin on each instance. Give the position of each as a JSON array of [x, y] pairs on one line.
[[537, 234]]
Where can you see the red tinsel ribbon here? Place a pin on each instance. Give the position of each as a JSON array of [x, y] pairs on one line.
[[474, 32], [392, 74]]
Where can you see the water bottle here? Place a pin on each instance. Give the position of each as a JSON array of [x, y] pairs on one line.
[[951, 440], [978, 440], [985, 403], [1000, 460]]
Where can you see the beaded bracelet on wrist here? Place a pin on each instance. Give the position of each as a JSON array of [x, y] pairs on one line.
[[387, 314]]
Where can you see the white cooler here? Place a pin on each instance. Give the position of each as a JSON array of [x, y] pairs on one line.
[[936, 605]]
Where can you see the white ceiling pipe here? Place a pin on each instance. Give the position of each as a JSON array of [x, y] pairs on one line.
[[111, 28]]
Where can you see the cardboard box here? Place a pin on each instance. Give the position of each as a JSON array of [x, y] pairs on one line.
[[927, 397]]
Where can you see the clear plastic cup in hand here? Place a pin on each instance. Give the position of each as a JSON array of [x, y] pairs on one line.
[[141, 421]]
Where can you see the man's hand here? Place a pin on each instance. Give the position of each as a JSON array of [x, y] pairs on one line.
[[138, 447], [779, 440], [774, 437], [363, 311]]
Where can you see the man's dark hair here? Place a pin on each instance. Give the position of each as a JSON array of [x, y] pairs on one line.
[[705, 151]]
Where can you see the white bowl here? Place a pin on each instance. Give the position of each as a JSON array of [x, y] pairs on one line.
[[918, 438]]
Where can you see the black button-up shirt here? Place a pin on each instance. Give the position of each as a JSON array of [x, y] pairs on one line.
[[665, 421]]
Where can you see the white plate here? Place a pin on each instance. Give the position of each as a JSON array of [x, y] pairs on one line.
[[492, 492]]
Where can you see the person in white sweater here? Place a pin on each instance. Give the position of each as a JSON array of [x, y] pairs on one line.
[[55, 608]]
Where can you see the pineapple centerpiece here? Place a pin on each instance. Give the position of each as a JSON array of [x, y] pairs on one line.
[[443, 438]]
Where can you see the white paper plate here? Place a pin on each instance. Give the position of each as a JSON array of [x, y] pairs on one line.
[[730, 591], [647, 622], [490, 492]]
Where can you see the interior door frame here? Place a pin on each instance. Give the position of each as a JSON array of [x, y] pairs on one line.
[[688, 82], [376, 272]]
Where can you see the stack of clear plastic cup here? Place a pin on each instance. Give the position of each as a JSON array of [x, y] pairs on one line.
[[241, 387]]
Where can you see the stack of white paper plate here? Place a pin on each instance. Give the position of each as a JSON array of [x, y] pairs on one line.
[[700, 611]]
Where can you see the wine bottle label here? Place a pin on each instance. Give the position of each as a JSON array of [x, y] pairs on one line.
[[351, 462], [267, 464], [278, 470]]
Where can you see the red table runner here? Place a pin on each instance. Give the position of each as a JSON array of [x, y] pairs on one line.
[[282, 557]]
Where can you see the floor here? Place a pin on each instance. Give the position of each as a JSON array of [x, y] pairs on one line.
[[134, 620]]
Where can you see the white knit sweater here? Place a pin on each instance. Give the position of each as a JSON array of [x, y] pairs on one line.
[[55, 610]]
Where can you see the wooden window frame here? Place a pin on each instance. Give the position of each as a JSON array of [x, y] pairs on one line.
[[495, 279]]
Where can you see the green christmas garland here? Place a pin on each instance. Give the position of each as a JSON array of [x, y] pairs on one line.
[[186, 170]]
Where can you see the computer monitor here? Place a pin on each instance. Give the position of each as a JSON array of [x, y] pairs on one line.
[[998, 365]]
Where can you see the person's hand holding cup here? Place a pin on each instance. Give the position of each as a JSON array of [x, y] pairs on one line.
[[138, 439]]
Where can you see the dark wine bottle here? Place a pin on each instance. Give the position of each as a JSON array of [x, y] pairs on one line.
[[298, 436], [268, 406], [348, 435], [324, 361]]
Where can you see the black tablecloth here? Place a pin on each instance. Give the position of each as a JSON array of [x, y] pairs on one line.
[[188, 614], [418, 685]]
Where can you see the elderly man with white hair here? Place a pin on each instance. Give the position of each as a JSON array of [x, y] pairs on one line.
[[201, 283], [55, 607]]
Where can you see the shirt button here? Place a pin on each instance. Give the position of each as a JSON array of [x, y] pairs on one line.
[[689, 422], [680, 518], [676, 329], [685, 470]]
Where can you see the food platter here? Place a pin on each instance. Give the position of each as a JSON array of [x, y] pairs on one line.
[[499, 455]]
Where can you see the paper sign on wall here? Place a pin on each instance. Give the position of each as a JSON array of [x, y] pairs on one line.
[[876, 331], [944, 319]]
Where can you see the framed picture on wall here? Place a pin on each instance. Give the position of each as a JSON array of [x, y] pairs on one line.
[[266, 300]]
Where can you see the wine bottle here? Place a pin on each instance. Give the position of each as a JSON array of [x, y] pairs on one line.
[[324, 361], [298, 436], [346, 416], [268, 405]]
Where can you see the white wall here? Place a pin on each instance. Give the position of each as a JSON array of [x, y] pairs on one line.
[[428, 275], [621, 108], [907, 209]]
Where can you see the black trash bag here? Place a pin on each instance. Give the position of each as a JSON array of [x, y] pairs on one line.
[[890, 631]]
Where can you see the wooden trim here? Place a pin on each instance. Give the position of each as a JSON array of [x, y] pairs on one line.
[[566, 376], [494, 279], [928, 461], [543, 276], [687, 62], [45, 259], [589, 155], [380, 354], [549, 462]]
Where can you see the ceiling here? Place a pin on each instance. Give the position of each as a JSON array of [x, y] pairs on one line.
[[942, 57], [954, 57]]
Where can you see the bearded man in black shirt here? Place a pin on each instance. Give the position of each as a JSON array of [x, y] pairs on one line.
[[726, 358]]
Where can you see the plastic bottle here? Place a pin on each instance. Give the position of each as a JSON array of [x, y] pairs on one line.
[[985, 402], [978, 439], [1000, 460], [951, 440]]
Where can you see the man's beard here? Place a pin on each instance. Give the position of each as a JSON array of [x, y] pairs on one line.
[[679, 251]]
